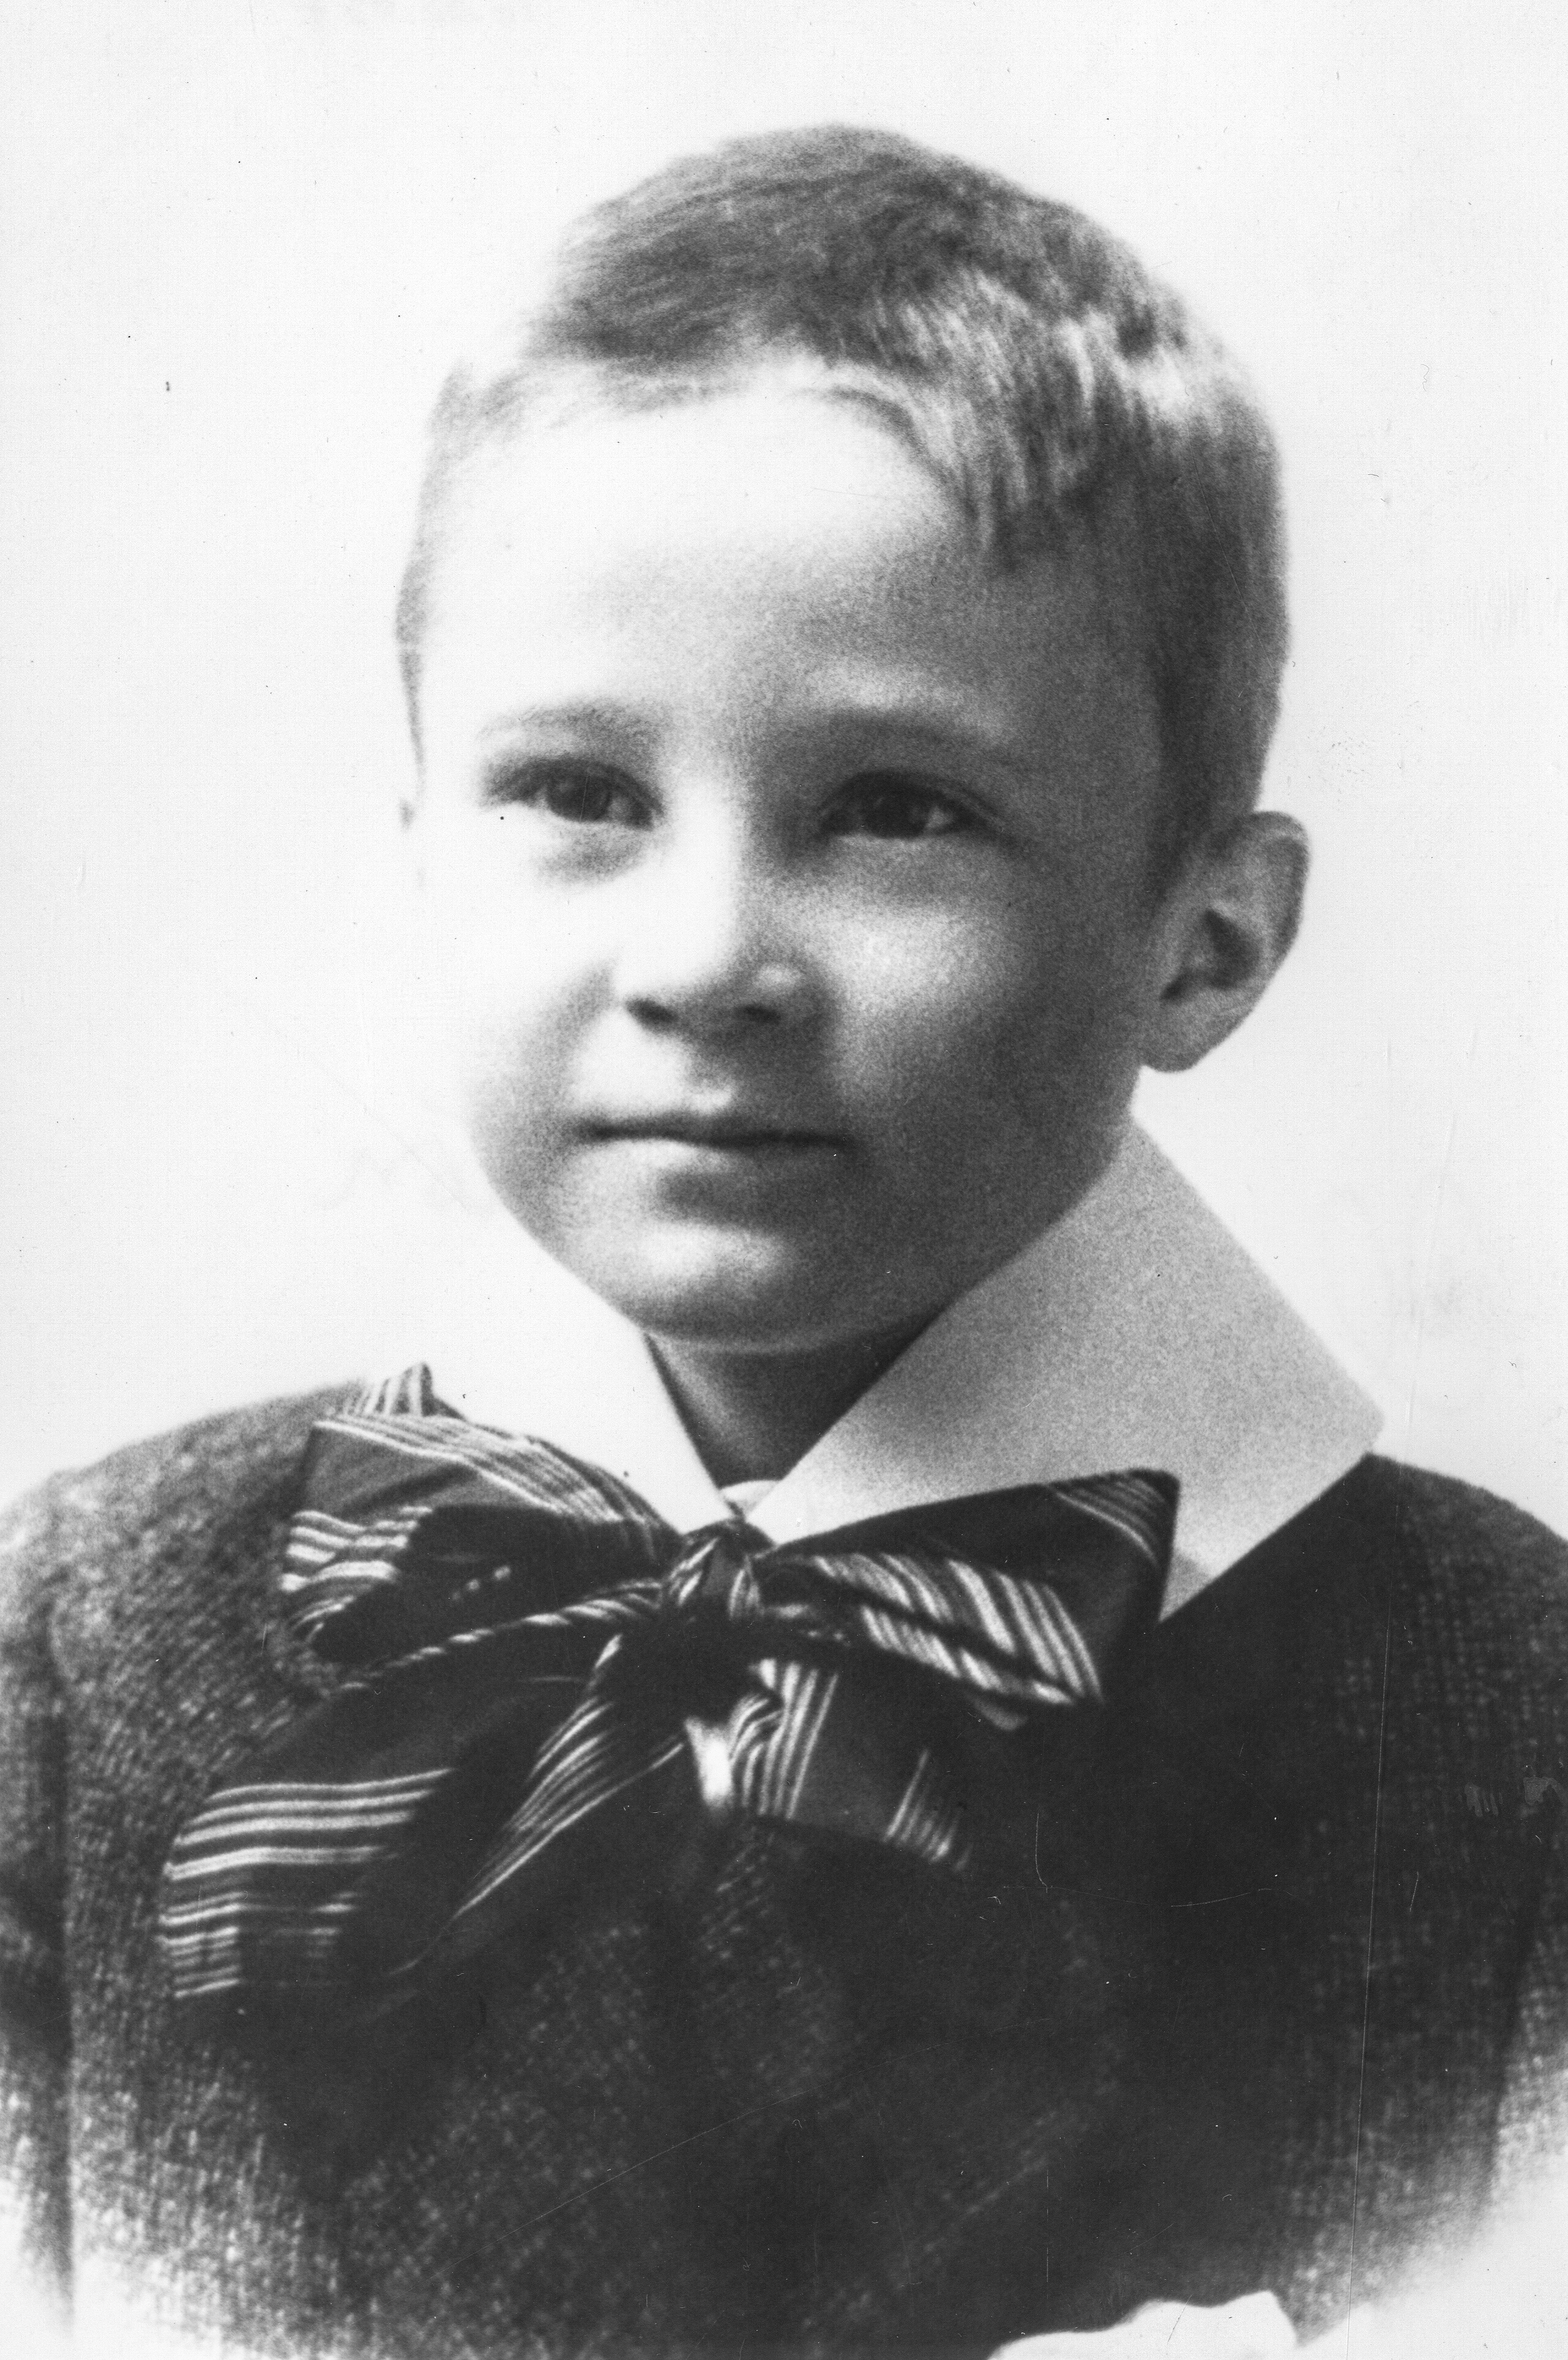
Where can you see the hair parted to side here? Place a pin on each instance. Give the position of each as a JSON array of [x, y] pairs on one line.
[[1066, 398]]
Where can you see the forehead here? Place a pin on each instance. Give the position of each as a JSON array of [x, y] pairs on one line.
[[786, 547]]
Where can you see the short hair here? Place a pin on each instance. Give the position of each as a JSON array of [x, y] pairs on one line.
[[1063, 395]]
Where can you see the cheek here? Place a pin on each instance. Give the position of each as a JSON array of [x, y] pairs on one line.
[[1007, 1069], [1015, 1012], [506, 981], [1068, 1042]]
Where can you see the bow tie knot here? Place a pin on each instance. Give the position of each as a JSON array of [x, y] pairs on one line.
[[524, 1643], [713, 1584]]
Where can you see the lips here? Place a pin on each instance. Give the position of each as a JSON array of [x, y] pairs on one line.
[[733, 1132]]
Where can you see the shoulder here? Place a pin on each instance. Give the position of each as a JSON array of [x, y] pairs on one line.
[[1391, 1534], [236, 1460], [1466, 1544], [1462, 1524], [181, 1493], [1470, 1597]]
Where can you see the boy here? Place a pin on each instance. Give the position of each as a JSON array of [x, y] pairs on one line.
[[935, 1800]]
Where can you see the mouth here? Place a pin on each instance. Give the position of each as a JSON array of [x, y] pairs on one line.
[[728, 1134]]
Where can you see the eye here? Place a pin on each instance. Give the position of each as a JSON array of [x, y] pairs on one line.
[[885, 803], [582, 793]]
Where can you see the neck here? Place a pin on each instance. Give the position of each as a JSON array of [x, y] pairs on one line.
[[752, 1416]]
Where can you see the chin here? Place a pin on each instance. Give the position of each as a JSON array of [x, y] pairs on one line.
[[729, 1294]]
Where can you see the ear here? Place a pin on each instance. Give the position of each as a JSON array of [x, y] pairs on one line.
[[1225, 925], [410, 814]]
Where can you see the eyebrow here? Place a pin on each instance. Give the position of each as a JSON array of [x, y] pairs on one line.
[[936, 723], [578, 713], [933, 720]]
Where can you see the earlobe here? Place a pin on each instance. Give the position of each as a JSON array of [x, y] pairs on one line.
[[413, 844], [1230, 920], [411, 810]]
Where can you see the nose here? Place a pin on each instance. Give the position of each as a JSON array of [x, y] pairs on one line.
[[712, 943]]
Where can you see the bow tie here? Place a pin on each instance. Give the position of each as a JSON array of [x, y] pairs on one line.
[[539, 1682]]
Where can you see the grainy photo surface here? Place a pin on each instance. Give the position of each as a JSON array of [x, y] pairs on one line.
[[781, 983]]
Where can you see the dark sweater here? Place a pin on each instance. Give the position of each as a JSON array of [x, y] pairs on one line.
[[1260, 1978]]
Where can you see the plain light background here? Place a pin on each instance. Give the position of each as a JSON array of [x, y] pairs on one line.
[[241, 238]]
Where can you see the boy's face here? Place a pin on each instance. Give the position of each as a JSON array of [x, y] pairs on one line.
[[788, 868]]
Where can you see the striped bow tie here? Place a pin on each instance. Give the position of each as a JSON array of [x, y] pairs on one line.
[[521, 1642]]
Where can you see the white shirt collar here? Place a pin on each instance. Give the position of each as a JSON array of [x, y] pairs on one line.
[[1136, 1332]]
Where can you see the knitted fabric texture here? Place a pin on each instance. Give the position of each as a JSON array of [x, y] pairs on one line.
[[1278, 1997]]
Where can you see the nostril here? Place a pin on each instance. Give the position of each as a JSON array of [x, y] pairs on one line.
[[772, 997], [652, 1013]]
